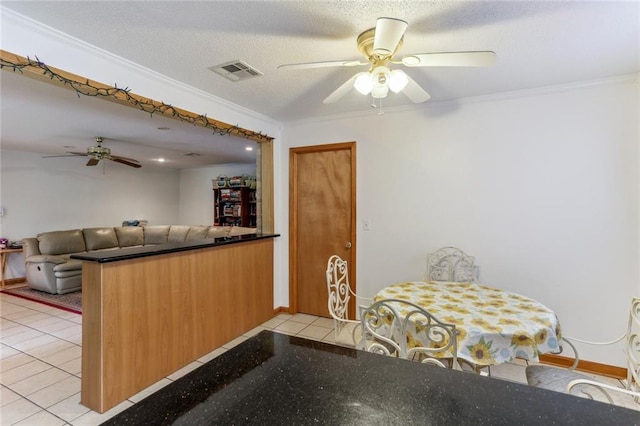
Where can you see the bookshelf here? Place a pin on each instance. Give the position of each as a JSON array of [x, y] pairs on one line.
[[234, 206]]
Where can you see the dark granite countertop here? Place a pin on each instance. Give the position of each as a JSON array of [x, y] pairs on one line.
[[105, 256], [276, 379]]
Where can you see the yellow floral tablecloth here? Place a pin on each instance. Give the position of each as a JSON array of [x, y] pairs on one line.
[[493, 326]]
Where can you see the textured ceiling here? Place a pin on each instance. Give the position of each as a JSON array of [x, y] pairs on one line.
[[68, 122], [537, 43]]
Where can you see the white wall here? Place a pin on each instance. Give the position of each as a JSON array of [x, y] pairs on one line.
[[47, 194], [196, 191], [542, 187], [41, 195], [25, 37]]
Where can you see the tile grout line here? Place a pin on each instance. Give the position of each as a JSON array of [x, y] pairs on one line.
[[281, 319], [33, 358]]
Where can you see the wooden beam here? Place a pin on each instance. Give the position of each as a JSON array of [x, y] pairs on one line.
[[35, 69], [39, 70], [266, 185]]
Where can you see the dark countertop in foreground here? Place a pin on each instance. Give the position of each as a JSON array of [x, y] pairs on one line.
[[105, 256], [278, 379]]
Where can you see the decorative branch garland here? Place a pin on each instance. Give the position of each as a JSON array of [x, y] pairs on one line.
[[123, 94]]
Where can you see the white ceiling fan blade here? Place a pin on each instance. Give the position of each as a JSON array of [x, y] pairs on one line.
[[322, 64], [342, 90], [388, 33], [451, 59], [414, 92]]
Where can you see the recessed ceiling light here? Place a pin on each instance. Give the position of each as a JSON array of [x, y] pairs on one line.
[[68, 146], [161, 160], [164, 128], [249, 148]]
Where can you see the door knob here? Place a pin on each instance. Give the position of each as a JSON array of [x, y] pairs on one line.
[[348, 245]]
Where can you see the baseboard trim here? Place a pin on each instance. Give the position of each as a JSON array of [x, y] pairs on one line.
[[281, 310], [19, 280], [586, 366]]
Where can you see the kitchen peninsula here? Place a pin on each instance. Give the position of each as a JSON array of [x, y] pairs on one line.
[[148, 311], [275, 379]]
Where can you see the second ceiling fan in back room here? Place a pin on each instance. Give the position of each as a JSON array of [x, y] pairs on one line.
[[378, 45], [98, 153]]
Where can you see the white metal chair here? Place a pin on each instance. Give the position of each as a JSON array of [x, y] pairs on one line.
[[570, 381], [402, 329], [347, 331], [451, 264]]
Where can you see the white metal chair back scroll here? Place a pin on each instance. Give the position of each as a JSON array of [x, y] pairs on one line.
[[399, 328], [570, 381], [451, 264], [347, 331]]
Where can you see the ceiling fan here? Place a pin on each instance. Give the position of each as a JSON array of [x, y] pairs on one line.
[[97, 153], [378, 45]]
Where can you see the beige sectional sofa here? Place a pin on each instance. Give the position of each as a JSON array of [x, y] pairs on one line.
[[49, 267]]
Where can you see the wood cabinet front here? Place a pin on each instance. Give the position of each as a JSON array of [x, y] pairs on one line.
[[147, 317]]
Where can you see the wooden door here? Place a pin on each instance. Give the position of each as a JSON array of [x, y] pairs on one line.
[[322, 216]]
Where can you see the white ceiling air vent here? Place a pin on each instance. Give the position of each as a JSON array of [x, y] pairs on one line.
[[236, 71]]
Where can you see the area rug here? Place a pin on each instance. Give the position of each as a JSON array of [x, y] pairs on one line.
[[71, 302]]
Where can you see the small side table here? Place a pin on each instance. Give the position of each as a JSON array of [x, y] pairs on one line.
[[4, 255]]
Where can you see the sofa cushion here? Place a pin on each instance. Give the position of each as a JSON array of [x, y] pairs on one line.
[[100, 238], [129, 236], [156, 234], [30, 247], [218, 232], [61, 242], [178, 233], [241, 230], [67, 256], [72, 265], [45, 258], [197, 233]]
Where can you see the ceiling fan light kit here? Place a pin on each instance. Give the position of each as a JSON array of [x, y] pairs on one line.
[[398, 81], [379, 81], [380, 78], [380, 87], [363, 83], [378, 45]]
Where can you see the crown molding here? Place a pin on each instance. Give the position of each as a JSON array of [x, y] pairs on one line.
[[559, 88], [147, 73], [66, 39]]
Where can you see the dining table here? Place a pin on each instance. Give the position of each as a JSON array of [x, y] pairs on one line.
[[493, 326]]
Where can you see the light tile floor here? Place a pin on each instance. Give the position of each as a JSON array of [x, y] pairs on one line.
[[40, 362]]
